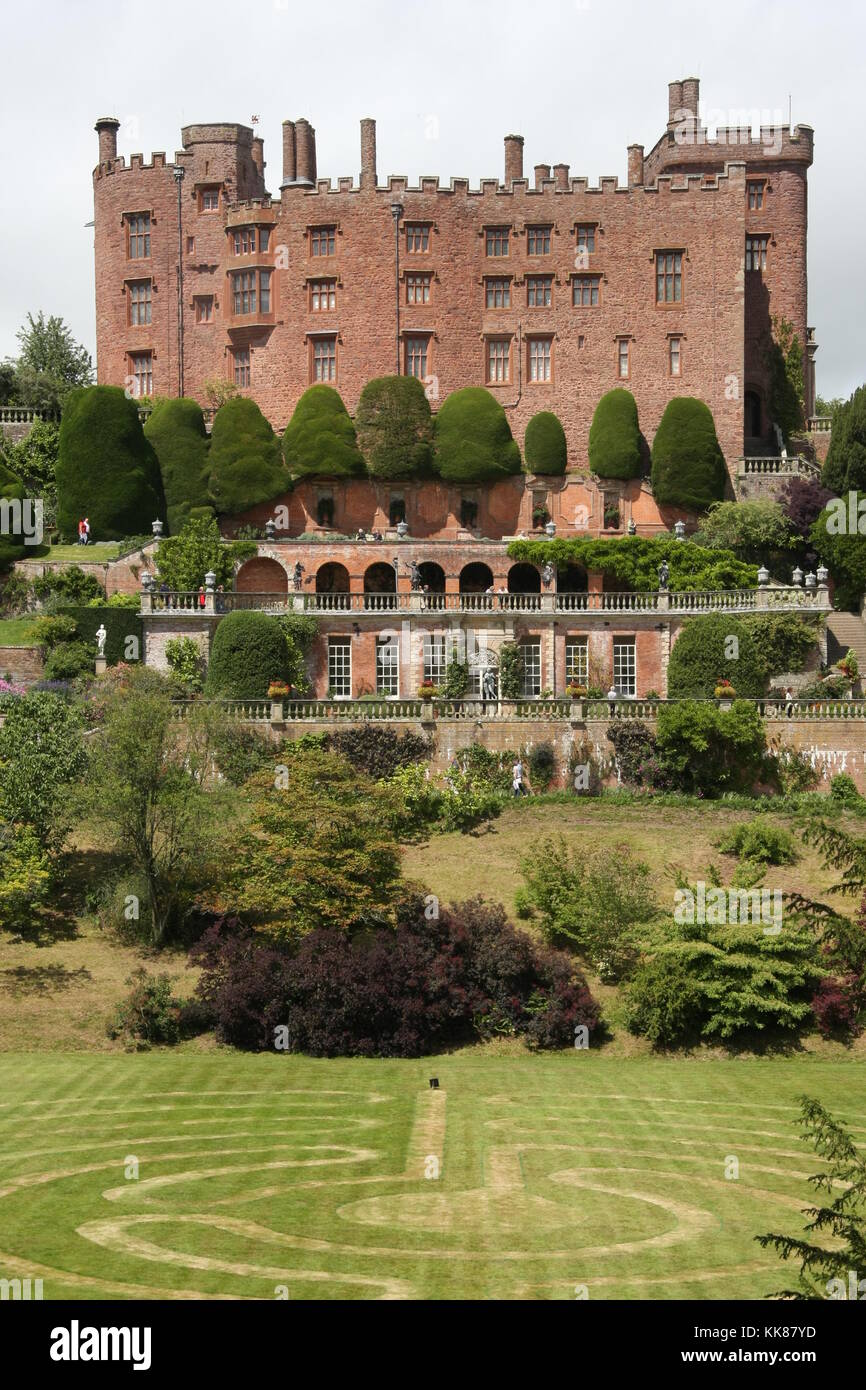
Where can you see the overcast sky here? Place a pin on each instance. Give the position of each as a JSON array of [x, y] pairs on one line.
[[446, 80]]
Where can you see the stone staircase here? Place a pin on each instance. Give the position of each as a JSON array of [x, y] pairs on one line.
[[846, 630]]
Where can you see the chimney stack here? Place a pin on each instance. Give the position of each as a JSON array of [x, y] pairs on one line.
[[305, 150], [513, 159], [258, 155], [542, 171], [106, 128], [675, 103], [368, 153], [635, 166], [691, 96], [560, 174], [290, 163]]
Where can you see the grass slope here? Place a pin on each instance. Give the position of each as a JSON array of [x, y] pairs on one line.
[[256, 1175]]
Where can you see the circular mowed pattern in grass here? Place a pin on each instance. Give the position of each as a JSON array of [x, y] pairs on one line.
[[295, 1193]]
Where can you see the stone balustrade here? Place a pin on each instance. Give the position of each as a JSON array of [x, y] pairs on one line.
[[819, 424], [779, 598], [778, 466], [574, 711]]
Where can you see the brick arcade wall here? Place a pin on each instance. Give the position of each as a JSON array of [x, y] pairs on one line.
[[117, 576]]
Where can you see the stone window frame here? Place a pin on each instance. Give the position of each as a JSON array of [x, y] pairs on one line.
[[315, 341], [413, 336], [623, 339], [241, 363], [531, 340], [204, 195], [198, 300], [674, 274], [576, 672], [759, 188], [532, 282], [490, 232], [679, 339], [763, 240], [594, 229], [139, 355], [505, 281], [344, 644], [411, 278], [594, 278], [497, 340], [531, 674], [315, 232], [133, 303], [626, 643], [543, 229], [418, 230], [129, 218], [314, 287]]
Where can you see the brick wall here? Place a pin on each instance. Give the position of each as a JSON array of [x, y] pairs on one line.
[[24, 664], [695, 202], [117, 577]]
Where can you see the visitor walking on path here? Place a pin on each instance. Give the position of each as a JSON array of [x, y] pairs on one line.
[[517, 779]]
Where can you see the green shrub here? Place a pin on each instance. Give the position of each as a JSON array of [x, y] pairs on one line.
[[68, 585], [634, 561], [319, 440], [759, 531], [510, 671], [241, 751], [183, 560], [379, 751], [783, 641], [542, 765], [186, 664], [709, 751], [474, 443], [663, 1002], [149, 1013], [544, 445], [69, 660], [176, 429], [48, 632], [760, 842], [246, 466], [843, 789], [249, 650], [688, 467], [701, 657], [395, 427], [614, 436], [467, 800], [106, 469]]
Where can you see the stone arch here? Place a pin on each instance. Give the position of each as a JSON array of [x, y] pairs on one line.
[[572, 579], [332, 578], [380, 579], [524, 579], [475, 578], [433, 576], [262, 575]]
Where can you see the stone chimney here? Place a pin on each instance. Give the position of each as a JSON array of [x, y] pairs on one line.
[[542, 171], [106, 128], [513, 159], [675, 103], [290, 164], [368, 153], [635, 166], [305, 150], [691, 96], [257, 151], [560, 174]]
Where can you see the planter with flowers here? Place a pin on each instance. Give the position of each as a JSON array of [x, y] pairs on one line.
[[540, 517], [850, 668], [725, 693], [428, 691], [576, 694], [278, 691]]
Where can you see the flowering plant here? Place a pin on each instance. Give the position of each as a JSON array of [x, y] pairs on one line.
[[724, 690], [277, 690], [575, 692], [427, 690]]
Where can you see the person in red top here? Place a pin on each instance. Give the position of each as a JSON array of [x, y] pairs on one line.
[[201, 597]]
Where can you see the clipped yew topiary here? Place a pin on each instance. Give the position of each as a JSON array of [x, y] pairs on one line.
[[688, 467], [176, 429], [544, 445], [319, 440], [106, 469], [845, 465], [474, 443], [614, 436], [245, 462], [395, 427], [249, 651], [12, 490], [712, 648]]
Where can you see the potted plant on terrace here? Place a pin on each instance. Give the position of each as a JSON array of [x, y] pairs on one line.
[[427, 690], [540, 516], [725, 693]]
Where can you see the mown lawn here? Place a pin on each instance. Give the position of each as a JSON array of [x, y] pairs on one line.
[[96, 553], [551, 1177], [16, 632]]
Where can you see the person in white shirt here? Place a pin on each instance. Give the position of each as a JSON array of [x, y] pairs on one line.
[[517, 779]]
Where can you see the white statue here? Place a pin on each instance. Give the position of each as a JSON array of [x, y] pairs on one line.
[[101, 635]]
